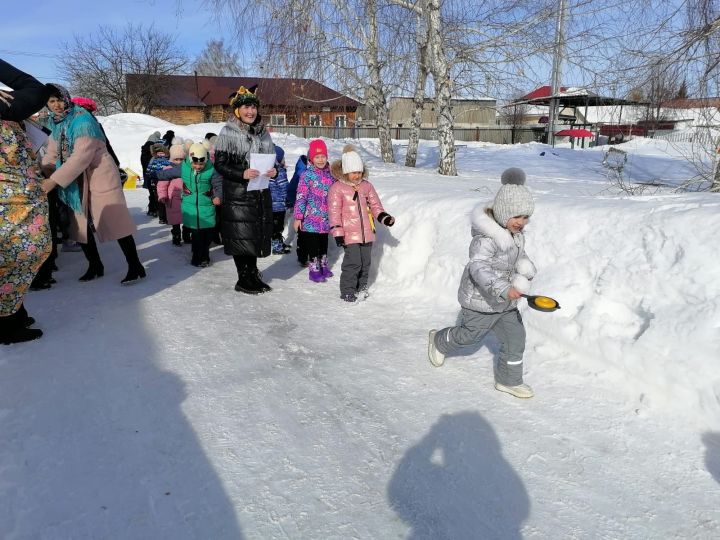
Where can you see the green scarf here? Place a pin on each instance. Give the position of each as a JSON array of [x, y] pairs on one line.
[[66, 128]]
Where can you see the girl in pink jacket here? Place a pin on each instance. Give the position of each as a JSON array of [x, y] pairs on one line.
[[169, 193], [353, 207]]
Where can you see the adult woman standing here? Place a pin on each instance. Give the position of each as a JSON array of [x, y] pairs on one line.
[[89, 183], [246, 216], [24, 225]]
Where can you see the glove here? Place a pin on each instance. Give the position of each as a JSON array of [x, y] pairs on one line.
[[386, 219], [340, 241]]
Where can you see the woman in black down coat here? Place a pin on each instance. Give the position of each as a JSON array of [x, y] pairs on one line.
[[246, 221]]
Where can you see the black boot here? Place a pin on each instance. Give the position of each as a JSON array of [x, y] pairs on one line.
[[247, 283], [13, 329], [176, 239], [136, 271], [186, 235], [95, 267], [257, 276]]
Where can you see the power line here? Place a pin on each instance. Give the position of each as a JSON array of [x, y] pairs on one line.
[[33, 54]]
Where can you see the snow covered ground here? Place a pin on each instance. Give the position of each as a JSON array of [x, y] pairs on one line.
[[178, 408]]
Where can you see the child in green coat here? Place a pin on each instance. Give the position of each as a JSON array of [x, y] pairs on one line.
[[201, 193]]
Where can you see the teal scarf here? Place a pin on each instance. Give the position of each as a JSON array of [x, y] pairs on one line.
[[66, 128]]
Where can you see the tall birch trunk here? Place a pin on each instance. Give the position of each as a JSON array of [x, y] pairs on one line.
[[419, 95], [443, 92], [375, 95]]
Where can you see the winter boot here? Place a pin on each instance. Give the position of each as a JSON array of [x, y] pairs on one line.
[[315, 273], [324, 268], [95, 268], [257, 276], [285, 248], [135, 273], [247, 283], [176, 237], [13, 329], [277, 246], [522, 391], [136, 270], [348, 297], [437, 358], [186, 235]]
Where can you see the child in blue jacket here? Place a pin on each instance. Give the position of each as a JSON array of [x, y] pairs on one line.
[[278, 193]]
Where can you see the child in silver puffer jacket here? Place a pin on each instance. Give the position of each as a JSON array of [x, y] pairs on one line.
[[496, 276]]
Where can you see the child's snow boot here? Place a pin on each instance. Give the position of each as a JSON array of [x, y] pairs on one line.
[[324, 268], [277, 246], [315, 274], [519, 391], [436, 358]]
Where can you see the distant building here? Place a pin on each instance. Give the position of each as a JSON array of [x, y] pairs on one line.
[[189, 99], [468, 113]]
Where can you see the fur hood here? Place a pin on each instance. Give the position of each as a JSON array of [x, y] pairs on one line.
[[483, 223]]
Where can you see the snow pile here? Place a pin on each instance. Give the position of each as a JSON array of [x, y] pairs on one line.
[[633, 275]]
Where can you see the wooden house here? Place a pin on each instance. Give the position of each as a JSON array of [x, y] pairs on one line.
[[189, 99]]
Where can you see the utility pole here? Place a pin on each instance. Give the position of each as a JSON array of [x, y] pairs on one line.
[[556, 76]]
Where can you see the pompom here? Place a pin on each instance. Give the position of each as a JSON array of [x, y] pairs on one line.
[[513, 175], [348, 148]]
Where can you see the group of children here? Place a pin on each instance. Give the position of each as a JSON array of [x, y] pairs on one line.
[[337, 198], [324, 199]]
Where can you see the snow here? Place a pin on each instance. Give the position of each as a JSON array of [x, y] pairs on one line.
[[178, 408]]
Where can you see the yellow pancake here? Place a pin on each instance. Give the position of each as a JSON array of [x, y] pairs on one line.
[[545, 302]]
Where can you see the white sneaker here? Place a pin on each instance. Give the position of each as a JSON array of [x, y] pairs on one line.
[[437, 358], [520, 391]]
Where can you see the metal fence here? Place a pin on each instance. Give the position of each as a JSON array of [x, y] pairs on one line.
[[497, 135], [702, 138]]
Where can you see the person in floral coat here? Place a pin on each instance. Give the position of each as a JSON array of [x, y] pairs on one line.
[[24, 227]]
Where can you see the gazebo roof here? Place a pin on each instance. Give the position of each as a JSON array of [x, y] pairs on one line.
[[569, 97]]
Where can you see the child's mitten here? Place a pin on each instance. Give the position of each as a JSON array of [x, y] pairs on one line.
[[386, 219]]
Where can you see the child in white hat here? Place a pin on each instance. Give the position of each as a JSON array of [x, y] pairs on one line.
[[353, 208], [496, 276]]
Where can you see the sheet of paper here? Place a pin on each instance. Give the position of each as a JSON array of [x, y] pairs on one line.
[[262, 163], [36, 133]]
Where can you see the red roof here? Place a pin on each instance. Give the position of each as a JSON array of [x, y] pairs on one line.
[[188, 90], [691, 103], [542, 92]]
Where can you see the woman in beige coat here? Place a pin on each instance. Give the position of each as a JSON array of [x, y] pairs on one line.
[[78, 164]]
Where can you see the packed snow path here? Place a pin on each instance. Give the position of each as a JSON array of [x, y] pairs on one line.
[[178, 408]]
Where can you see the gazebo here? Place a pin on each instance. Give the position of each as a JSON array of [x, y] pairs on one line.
[[571, 98]]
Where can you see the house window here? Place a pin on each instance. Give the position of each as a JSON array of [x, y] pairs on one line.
[[277, 120], [340, 120], [315, 120]]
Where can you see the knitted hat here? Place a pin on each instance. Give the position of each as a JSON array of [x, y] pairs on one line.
[[351, 160], [279, 154], [244, 96], [513, 198], [177, 151], [187, 144], [197, 150], [317, 146], [155, 136], [205, 143], [158, 147]]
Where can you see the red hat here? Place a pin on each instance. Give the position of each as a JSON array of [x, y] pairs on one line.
[[317, 147], [86, 103]]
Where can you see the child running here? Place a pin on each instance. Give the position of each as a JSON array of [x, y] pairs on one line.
[[496, 276]]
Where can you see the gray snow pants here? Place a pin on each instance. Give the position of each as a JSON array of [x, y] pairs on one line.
[[355, 268], [474, 326]]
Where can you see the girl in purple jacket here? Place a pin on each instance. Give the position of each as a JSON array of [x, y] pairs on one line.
[[354, 206], [311, 210]]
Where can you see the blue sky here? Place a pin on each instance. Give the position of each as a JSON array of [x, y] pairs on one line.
[[31, 38]]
